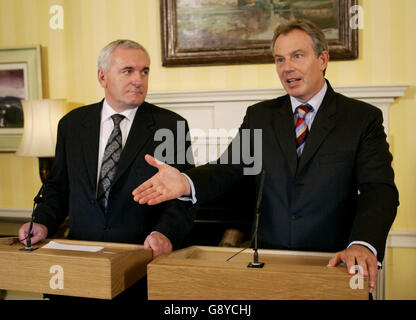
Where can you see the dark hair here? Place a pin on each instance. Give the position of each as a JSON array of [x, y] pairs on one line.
[[317, 36]]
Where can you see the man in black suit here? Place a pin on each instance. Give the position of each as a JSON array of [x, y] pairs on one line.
[[329, 184], [99, 161]]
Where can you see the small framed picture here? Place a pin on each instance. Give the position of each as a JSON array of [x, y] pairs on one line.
[[20, 78]]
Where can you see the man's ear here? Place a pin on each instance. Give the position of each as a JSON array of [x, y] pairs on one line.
[[324, 59], [102, 78]]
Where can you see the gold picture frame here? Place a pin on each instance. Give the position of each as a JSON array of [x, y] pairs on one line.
[[214, 32]]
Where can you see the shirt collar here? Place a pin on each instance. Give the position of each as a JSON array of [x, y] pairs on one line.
[[108, 111], [315, 101]]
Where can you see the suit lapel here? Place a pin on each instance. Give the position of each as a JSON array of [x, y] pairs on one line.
[[283, 123], [321, 127], [90, 142], [141, 130]]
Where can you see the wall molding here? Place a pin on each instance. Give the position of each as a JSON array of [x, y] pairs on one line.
[[15, 214], [387, 93], [396, 239], [401, 239], [225, 109]]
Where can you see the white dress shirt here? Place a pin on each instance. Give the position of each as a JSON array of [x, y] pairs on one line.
[[107, 126], [315, 102]]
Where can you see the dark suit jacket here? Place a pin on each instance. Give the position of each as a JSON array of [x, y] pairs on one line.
[[313, 204], [72, 186]]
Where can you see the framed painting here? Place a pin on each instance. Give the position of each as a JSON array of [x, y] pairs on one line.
[[218, 32], [20, 78]]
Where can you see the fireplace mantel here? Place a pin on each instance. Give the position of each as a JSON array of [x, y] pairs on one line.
[[225, 109]]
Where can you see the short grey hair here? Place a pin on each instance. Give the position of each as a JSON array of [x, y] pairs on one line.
[[104, 56]]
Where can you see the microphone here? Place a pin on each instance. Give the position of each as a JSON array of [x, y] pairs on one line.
[[255, 263], [38, 199]]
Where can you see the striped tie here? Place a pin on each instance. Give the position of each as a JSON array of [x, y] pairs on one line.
[[301, 128], [109, 165]]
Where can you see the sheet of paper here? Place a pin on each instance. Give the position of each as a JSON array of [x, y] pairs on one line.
[[60, 246]]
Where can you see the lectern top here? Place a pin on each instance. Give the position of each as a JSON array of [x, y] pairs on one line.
[[103, 274]]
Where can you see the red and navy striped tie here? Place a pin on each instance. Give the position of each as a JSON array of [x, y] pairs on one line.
[[301, 128]]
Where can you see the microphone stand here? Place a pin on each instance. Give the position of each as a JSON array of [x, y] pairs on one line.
[[38, 199], [255, 263]]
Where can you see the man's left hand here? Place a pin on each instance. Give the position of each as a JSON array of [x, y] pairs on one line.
[[361, 256], [159, 243]]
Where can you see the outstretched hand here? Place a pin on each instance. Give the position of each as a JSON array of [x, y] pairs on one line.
[[165, 185]]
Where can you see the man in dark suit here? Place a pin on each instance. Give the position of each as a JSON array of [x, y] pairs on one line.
[[329, 183], [100, 160]]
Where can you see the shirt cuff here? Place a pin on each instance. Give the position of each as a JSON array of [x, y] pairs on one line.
[[192, 196], [369, 246]]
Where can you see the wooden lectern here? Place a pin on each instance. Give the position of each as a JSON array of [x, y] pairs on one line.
[[202, 273], [103, 274]]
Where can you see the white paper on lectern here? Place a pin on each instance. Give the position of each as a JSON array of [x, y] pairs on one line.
[[60, 246]]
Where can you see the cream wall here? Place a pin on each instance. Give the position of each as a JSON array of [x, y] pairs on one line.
[[387, 49]]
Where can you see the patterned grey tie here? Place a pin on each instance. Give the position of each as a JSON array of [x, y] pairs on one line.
[[109, 164]]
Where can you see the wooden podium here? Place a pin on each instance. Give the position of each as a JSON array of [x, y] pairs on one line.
[[202, 273], [103, 274]]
